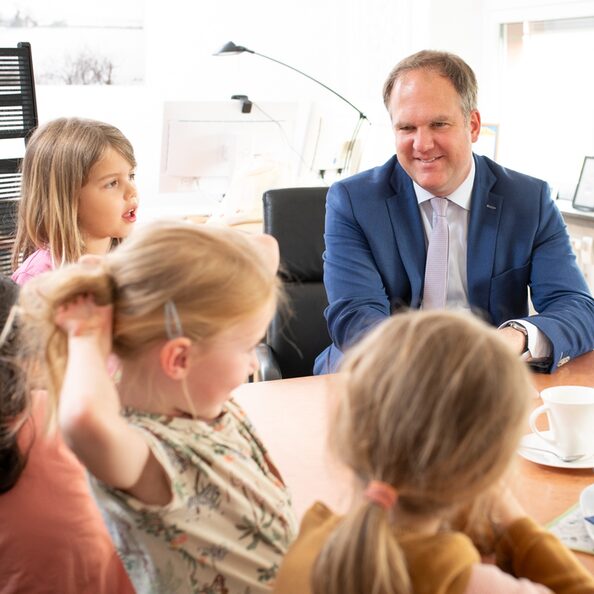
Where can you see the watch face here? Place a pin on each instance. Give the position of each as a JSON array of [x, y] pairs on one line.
[[519, 328]]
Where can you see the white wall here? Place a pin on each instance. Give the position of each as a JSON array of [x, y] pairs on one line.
[[348, 44]]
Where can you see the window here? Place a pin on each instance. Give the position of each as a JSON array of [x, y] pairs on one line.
[[547, 91]]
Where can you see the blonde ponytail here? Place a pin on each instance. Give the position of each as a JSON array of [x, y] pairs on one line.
[[362, 557], [42, 340]]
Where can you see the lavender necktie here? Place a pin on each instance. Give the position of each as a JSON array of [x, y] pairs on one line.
[[436, 268]]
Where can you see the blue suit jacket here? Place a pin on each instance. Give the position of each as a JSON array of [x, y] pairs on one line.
[[375, 257]]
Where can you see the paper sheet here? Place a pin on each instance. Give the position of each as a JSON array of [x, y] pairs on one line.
[[570, 529]]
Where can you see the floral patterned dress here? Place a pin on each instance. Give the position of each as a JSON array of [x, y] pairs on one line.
[[230, 520]]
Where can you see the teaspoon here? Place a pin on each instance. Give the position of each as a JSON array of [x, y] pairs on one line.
[[567, 459]]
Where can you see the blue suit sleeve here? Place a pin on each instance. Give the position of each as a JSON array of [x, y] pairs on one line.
[[356, 293], [558, 289]]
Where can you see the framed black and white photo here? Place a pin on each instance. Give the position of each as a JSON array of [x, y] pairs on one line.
[[79, 43], [583, 198]]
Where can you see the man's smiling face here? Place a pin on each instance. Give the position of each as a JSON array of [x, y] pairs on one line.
[[433, 137]]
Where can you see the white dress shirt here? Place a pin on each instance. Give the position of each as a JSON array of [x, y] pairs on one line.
[[458, 214]]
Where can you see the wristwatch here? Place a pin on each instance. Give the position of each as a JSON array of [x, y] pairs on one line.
[[520, 328]]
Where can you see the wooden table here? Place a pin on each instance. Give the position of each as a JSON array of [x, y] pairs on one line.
[[292, 417], [544, 491]]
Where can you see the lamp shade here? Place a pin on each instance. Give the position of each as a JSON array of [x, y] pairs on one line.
[[230, 49]]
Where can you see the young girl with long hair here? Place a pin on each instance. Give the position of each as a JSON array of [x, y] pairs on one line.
[[193, 501], [432, 407], [52, 536], [78, 195]]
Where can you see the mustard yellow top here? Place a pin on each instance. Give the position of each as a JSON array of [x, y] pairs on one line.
[[444, 563]]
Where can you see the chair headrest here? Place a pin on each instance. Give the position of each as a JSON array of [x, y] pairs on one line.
[[295, 217]]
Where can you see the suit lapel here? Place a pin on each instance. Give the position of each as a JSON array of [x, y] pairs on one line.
[[485, 213], [408, 230]]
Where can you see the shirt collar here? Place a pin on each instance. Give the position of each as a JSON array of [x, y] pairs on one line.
[[460, 196]]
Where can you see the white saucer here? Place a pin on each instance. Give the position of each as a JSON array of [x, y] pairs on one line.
[[545, 458]]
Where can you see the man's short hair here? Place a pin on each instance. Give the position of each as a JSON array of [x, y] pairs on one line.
[[454, 68]]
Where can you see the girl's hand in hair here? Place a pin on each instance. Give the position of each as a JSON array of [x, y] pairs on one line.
[[82, 317]]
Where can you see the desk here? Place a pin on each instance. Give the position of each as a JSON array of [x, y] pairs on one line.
[[248, 226], [291, 417]]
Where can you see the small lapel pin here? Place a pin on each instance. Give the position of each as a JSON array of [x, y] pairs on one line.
[[491, 206]]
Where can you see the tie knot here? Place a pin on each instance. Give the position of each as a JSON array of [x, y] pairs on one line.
[[440, 206]]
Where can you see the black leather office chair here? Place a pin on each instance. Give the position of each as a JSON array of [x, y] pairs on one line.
[[18, 118], [295, 217]]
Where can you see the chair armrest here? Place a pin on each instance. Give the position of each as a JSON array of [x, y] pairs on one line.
[[268, 367]]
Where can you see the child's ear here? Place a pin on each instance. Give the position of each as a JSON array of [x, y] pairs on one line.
[[175, 357]]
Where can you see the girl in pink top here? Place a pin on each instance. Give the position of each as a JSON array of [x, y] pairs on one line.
[[78, 195]]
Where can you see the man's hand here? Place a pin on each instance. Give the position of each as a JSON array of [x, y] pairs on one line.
[[514, 338]]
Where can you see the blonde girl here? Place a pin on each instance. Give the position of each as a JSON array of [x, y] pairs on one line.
[[432, 407], [78, 195], [192, 500]]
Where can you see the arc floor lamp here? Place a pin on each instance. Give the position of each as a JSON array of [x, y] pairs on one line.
[[231, 48]]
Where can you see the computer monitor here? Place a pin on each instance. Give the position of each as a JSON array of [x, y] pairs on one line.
[[219, 152]]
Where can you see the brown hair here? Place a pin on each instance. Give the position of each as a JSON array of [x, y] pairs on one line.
[[13, 398], [452, 67], [434, 404], [214, 278], [57, 162]]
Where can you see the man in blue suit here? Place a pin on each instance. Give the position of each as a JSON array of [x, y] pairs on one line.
[[506, 236]]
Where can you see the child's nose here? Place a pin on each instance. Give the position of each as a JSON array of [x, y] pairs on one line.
[[130, 191]]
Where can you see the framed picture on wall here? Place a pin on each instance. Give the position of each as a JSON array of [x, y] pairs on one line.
[[100, 43], [583, 199]]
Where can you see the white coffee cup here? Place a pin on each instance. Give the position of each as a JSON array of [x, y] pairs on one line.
[[570, 410]]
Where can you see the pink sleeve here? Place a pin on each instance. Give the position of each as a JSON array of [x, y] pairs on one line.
[[38, 262], [21, 277], [489, 579]]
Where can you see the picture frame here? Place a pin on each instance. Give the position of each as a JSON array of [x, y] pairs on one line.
[[97, 45], [583, 199]]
